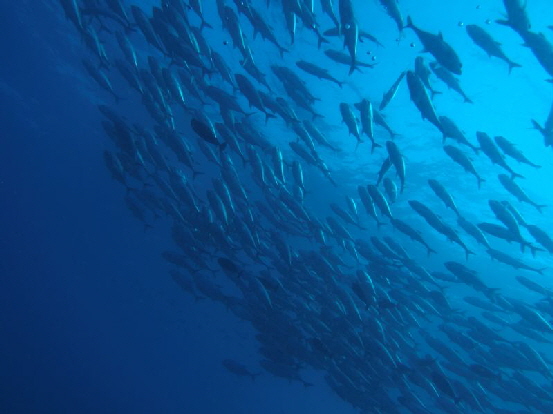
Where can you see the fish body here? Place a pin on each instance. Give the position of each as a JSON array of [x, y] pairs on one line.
[[206, 132], [515, 190], [317, 71], [492, 152], [390, 93], [420, 98], [411, 233], [365, 108], [422, 71], [379, 200], [512, 151], [461, 158], [542, 49], [485, 41], [443, 195], [511, 261], [397, 161], [437, 46], [392, 8], [391, 189], [517, 18], [368, 203], [541, 237], [451, 81], [349, 119], [473, 231]]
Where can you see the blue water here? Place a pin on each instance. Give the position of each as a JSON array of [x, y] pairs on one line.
[[91, 321]]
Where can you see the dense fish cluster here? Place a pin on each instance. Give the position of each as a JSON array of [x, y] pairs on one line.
[[331, 268]]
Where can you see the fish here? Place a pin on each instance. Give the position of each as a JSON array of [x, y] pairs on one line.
[[392, 8], [368, 203], [390, 93], [473, 231], [515, 190], [492, 152], [511, 261], [439, 48], [379, 200], [342, 58], [547, 129], [461, 158], [391, 189], [486, 42], [451, 81], [443, 194], [450, 130], [510, 149], [383, 169], [238, 369], [252, 95], [517, 18], [422, 71], [411, 233], [541, 237], [317, 71], [207, 133], [542, 49], [366, 111], [397, 161], [420, 98], [328, 9], [349, 119]]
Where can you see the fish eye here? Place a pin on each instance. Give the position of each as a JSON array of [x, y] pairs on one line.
[[488, 21], [412, 45], [374, 58], [347, 27], [460, 24], [225, 43]]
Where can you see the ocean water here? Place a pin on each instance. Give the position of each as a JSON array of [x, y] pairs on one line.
[[93, 322]]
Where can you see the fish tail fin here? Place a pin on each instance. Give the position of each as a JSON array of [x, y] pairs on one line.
[[480, 181], [467, 253], [195, 174], [378, 224], [539, 207], [430, 250], [255, 375], [468, 100], [222, 146], [376, 145], [409, 23], [320, 40], [534, 165], [516, 175], [306, 384], [513, 65], [205, 24], [537, 126], [282, 50], [269, 116], [352, 67], [540, 271], [434, 93]]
